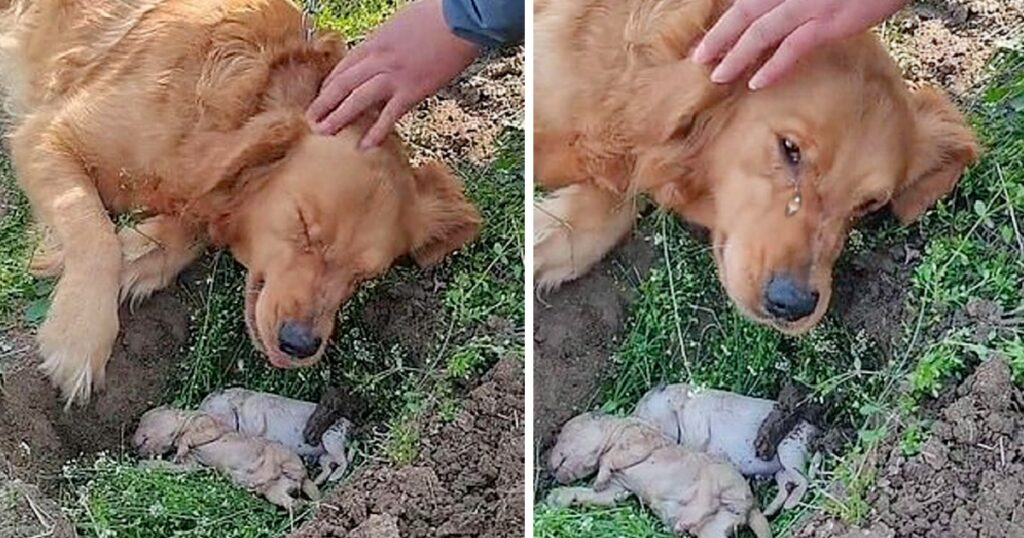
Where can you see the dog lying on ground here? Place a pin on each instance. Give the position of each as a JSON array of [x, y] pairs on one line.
[[265, 467], [690, 491], [778, 175], [282, 420], [188, 117], [726, 425]]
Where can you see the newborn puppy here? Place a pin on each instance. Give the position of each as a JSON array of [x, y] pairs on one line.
[[690, 491], [282, 420], [268, 468], [725, 425]]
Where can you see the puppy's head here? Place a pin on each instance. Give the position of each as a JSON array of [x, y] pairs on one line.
[[313, 217], [780, 175], [579, 447], [158, 430]]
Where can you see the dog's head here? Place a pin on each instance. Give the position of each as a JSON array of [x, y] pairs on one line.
[[580, 444], [158, 430], [780, 175], [312, 217]]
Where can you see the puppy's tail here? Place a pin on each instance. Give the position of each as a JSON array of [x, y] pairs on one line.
[[759, 524]]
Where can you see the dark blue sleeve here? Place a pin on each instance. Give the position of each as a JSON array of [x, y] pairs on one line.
[[488, 23]]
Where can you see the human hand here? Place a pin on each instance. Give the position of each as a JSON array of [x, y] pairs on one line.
[[404, 61], [792, 27]]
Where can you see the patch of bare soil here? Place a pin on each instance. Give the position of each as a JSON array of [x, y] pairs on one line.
[[575, 331], [408, 314], [968, 479], [25, 511], [869, 291], [950, 42], [464, 120], [467, 480], [38, 436]]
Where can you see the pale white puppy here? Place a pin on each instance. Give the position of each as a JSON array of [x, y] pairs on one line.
[[198, 439], [691, 491], [726, 424], [282, 420]]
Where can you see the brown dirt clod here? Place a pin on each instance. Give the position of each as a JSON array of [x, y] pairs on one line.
[[967, 481]]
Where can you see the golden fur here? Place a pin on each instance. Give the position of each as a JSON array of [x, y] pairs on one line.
[[188, 114], [621, 111]]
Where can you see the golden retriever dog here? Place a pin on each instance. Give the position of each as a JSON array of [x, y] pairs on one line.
[[188, 116], [778, 176]]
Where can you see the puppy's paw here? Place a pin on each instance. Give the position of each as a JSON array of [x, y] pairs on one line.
[[310, 490], [562, 497], [76, 340]]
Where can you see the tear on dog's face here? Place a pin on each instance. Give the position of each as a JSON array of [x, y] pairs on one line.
[[326, 217], [786, 172], [578, 450]]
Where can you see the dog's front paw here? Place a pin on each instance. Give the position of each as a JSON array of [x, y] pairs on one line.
[[76, 341], [553, 256], [153, 253]]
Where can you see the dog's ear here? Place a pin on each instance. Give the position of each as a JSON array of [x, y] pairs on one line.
[[235, 157], [624, 455], [944, 146], [444, 219], [227, 164]]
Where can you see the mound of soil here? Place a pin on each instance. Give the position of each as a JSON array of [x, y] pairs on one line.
[[575, 329], [968, 479], [38, 436], [950, 42], [464, 120], [467, 480]]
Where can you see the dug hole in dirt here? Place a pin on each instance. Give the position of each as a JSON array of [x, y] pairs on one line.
[[467, 480], [37, 436], [575, 331]]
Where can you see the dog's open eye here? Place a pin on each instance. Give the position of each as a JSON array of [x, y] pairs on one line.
[[790, 151]]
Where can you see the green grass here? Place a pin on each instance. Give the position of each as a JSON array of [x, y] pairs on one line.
[[16, 286], [682, 327], [353, 18], [123, 500]]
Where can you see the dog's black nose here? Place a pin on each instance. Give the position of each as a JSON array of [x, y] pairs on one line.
[[297, 340], [786, 298]]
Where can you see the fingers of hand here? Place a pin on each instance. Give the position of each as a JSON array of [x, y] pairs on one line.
[[374, 91], [794, 47], [765, 33], [396, 108], [730, 27], [339, 89]]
